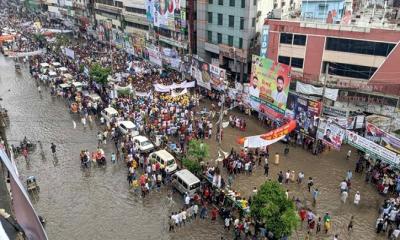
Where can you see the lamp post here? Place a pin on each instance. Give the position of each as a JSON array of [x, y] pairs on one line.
[[221, 113]]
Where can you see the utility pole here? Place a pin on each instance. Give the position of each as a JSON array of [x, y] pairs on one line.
[[322, 105], [221, 116]]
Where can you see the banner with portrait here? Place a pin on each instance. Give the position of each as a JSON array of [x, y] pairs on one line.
[[381, 137], [269, 84], [201, 72], [217, 75], [166, 14], [333, 134], [154, 56], [305, 111]]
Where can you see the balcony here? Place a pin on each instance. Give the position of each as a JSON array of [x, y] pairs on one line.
[[173, 42], [232, 52], [135, 18], [108, 8]]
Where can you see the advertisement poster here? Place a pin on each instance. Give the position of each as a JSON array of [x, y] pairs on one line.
[[217, 77], [154, 56], [167, 14], [333, 135], [305, 112], [201, 72], [381, 137], [374, 149], [269, 84]]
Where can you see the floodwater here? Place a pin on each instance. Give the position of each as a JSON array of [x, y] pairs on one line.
[[97, 204]]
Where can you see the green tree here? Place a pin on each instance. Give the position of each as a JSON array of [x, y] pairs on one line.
[[191, 165], [99, 74], [197, 150], [271, 207]]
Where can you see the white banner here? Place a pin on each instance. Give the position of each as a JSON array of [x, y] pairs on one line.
[[309, 89], [177, 94], [143, 94], [154, 56], [375, 150], [55, 30], [257, 141], [163, 88], [70, 53], [25, 54]]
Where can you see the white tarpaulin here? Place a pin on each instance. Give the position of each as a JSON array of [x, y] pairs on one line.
[[143, 94], [55, 30], [26, 54], [309, 89], [164, 88]]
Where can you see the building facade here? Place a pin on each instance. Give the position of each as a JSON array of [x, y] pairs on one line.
[[358, 57]]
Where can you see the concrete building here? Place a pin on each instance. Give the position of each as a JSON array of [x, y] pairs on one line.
[[322, 10], [108, 19], [134, 16]]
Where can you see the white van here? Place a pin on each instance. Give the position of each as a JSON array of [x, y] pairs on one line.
[[128, 127], [166, 159], [143, 143], [185, 182], [108, 113]]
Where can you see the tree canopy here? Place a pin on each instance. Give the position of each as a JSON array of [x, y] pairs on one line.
[[99, 74], [197, 150], [271, 207]]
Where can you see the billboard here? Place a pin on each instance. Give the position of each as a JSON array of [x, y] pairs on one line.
[[167, 14], [207, 75], [305, 112], [269, 84], [217, 75], [381, 137]]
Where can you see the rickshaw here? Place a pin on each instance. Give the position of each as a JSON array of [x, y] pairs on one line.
[[31, 184]]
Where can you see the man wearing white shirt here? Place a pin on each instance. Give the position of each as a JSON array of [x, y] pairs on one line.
[[279, 95], [255, 92]]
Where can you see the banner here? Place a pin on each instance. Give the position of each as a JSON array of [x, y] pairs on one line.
[[269, 137], [335, 112], [163, 88], [381, 137], [49, 30], [309, 89], [305, 112], [177, 94], [333, 134], [372, 148], [354, 122], [154, 56], [201, 72], [26, 54], [167, 14], [269, 84], [70, 53], [217, 77]]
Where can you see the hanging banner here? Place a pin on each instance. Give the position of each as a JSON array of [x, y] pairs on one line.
[[333, 134], [269, 137], [26, 54], [164, 88], [305, 112], [381, 137], [335, 112], [69, 53], [375, 150], [201, 72], [154, 56], [309, 89], [167, 14], [269, 84], [217, 77]]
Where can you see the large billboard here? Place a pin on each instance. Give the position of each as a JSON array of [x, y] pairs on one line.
[[167, 14], [269, 84], [332, 135], [208, 75]]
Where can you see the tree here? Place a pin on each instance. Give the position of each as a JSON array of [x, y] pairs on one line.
[[197, 150], [99, 74], [271, 207], [191, 165]]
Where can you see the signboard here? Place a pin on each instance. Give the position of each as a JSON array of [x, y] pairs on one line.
[[217, 77], [201, 72], [334, 111], [269, 84], [333, 134], [375, 150], [381, 137], [264, 41], [167, 14], [154, 56], [305, 112]]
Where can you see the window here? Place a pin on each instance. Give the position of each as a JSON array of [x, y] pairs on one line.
[[119, 4], [231, 3], [210, 17], [282, 4], [241, 23], [297, 62], [243, 5], [299, 40], [286, 38], [241, 43], [136, 10], [253, 22], [209, 36], [230, 41], [137, 25], [254, 2], [221, 2], [323, 7], [210, 1], [350, 70], [219, 38], [358, 46], [231, 21], [284, 60], [220, 22]]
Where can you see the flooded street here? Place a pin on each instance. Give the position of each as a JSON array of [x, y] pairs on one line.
[[97, 204]]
